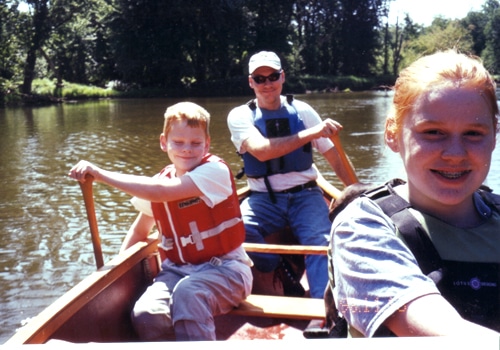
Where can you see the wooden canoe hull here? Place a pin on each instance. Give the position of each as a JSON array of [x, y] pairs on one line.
[[98, 308]]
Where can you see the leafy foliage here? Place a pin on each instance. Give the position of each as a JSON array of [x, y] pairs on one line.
[[441, 35], [203, 46]]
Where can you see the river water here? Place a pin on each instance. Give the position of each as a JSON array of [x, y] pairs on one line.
[[45, 245]]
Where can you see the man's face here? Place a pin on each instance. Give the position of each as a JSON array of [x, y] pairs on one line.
[[267, 91]]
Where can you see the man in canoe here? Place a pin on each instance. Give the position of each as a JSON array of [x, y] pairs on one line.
[[421, 257], [275, 136], [194, 205]]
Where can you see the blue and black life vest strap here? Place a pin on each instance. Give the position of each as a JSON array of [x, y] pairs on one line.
[[410, 229], [492, 199], [270, 190], [253, 106]]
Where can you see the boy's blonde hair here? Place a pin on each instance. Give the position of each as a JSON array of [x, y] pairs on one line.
[[440, 70], [195, 116]]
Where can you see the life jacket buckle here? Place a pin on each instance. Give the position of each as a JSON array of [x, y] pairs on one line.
[[167, 243], [187, 240]]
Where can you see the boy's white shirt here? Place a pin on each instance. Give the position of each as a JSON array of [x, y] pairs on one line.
[[211, 178]]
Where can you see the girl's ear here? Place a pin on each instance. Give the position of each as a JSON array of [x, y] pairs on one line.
[[163, 142], [391, 140], [391, 131]]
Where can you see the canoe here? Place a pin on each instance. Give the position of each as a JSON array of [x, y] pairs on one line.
[[97, 309]]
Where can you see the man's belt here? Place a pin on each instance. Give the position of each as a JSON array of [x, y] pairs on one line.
[[299, 188]]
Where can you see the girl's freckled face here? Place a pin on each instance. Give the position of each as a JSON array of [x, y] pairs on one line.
[[446, 144]]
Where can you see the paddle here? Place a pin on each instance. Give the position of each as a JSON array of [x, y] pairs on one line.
[[88, 198], [326, 186], [343, 159]]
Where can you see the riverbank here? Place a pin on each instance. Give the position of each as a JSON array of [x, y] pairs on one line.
[[45, 91]]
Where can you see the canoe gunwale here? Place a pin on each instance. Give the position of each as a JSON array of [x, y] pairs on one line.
[[41, 328], [52, 323]]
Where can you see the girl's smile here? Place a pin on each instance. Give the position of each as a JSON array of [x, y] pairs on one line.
[[446, 144]]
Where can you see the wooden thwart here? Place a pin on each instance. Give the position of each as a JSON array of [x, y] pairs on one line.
[[281, 307], [285, 249]]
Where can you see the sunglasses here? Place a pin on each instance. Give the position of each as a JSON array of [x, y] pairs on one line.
[[260, 79]]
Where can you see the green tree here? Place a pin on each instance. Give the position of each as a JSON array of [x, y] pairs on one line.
[[316, 27], [8, 47], [338, 36], [491, 52], [40, 32], [409, 32], [443, 34], [270, 25], [359, 36], [475, 23], [78, 50], [46, 17], [11, 22], [171, 44]]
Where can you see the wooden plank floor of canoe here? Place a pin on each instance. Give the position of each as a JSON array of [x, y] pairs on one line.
[[234, 327]]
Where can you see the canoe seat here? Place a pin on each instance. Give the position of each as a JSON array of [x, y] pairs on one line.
[[281, 307]]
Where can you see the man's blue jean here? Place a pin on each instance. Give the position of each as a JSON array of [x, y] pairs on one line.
[[306, 213]]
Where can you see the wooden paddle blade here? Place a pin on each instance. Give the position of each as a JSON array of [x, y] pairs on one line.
[[344, 160], [88, 198]]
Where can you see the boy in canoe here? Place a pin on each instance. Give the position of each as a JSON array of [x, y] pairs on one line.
[[275, 136], [429, 262], [193, 204]]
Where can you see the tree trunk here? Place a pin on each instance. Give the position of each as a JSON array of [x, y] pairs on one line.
[[40, 32], [386, 48], [29, 71]]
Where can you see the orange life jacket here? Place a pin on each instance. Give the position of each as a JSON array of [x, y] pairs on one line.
[[192, 232]]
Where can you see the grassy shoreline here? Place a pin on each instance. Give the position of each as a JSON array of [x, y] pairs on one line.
[[46, 91]]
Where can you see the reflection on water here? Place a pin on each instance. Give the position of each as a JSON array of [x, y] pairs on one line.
[[45, 245]]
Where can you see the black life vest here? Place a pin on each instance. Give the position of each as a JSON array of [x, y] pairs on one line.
[[473, 288]]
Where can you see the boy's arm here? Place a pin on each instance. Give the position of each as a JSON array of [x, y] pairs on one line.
[[151, 189], [432, 315], [138, 231]]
